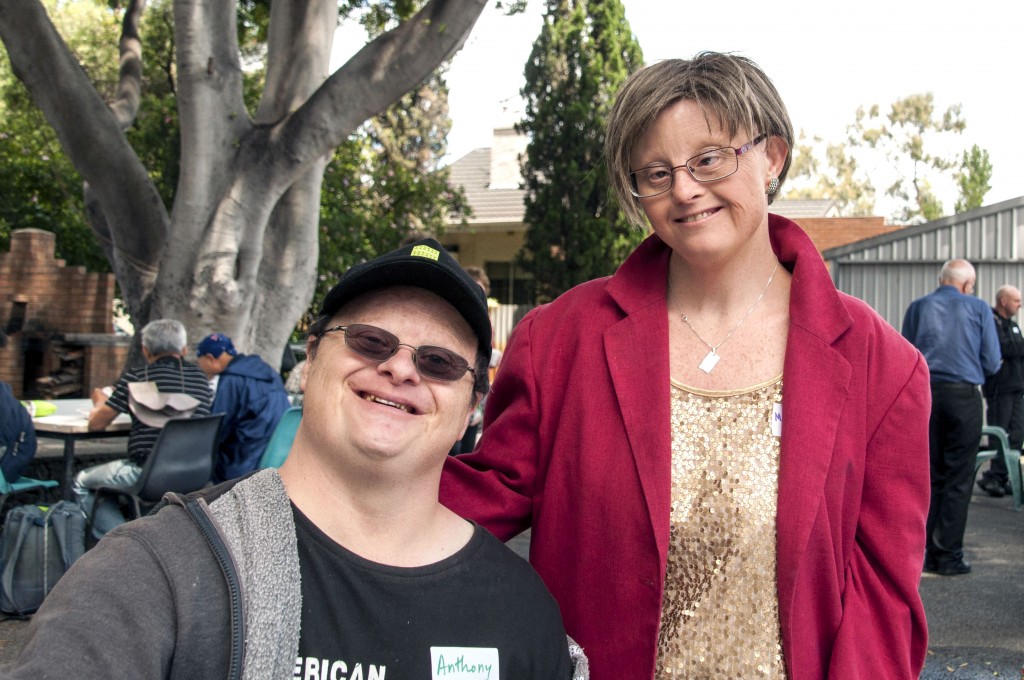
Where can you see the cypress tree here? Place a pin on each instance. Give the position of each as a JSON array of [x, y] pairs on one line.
[[576, 230]]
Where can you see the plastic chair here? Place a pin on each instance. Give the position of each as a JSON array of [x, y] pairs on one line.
[[23, 485], [181, 461], [997, 436], [280, 442]]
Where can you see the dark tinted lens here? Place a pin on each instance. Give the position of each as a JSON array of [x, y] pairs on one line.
[[371, 342], [440, 363]]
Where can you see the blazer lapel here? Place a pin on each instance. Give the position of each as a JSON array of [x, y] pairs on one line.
[[815, 382], [637, 351], [816, 379], [636, 348]]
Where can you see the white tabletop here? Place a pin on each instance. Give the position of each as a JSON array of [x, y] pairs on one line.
[[72, 416]]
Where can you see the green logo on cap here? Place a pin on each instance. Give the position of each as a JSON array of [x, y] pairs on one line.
[[425, 251]]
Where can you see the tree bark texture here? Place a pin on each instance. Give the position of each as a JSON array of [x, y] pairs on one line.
[[238, 251]]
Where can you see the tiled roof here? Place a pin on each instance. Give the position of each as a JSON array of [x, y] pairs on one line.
[[490, 206], [505, 206], [817, 207]]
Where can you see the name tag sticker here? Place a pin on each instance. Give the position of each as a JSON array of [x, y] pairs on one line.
[[776, 419], [464, 663]]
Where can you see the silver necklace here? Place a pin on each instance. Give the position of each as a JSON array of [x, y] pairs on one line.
[[711, 359]]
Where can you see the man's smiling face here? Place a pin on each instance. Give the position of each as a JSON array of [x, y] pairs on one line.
[[363, 411]]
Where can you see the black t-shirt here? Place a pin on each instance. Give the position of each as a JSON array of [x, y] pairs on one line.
[[481, 613]]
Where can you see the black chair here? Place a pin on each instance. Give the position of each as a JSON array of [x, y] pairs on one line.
[[181, 461]]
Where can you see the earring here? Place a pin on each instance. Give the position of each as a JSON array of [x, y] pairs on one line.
[[773, 186]]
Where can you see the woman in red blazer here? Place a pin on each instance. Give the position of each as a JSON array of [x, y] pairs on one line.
[[723, 459]]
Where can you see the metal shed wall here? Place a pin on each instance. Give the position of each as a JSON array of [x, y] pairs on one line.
[[891, 270]]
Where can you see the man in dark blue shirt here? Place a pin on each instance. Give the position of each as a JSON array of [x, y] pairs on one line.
[[1004, 391], [957, 336]]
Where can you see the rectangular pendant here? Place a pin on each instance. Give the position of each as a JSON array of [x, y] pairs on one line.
[[709, 362]]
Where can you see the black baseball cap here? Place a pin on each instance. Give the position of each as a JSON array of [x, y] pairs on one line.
[[422, 264]]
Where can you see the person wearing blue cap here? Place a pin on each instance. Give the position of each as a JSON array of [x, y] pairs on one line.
[[252, 397]]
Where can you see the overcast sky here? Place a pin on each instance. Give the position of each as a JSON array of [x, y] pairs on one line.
[[826, 60]]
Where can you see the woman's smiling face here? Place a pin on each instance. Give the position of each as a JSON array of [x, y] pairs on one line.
[[706, 221]]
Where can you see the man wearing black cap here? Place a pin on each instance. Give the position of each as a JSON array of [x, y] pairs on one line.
[[343, 563]]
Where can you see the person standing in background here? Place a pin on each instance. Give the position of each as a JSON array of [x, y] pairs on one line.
[[957, 336], [1004, 391]]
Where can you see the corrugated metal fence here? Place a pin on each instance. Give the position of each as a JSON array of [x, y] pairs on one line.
[[890, 271]]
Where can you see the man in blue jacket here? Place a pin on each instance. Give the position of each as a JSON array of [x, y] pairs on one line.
[[250, 394]]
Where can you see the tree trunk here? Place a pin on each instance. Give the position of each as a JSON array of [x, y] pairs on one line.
[[238, 253]]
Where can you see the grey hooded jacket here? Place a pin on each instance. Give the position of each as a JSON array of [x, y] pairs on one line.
[[207, 587]]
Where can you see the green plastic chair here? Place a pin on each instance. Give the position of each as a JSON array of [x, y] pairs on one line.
[[22, 485], [996, 436], [281, 441]]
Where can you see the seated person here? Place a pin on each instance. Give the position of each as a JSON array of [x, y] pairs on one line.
[[252, 398], [342, 563], [178, 385], [17, 435]]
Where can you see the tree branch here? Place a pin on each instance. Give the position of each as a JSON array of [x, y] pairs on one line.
[[88, 132], [373, 79], [129, 88]]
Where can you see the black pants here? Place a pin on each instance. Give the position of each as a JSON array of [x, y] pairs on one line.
[[1006, 410], [954, 433]]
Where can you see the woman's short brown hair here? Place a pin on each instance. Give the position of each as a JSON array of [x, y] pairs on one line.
[[731, 90]]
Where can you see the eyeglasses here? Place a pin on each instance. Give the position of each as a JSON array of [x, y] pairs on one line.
[[706, 167], [377, 344]]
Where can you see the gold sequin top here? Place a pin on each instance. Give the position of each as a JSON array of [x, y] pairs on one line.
[[720, 614]]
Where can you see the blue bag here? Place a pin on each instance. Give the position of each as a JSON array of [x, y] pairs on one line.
[[17, 435], [38, 545]]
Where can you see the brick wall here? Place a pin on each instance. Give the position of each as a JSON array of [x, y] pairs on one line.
[[103, 364], [54, 300], [832, 232]]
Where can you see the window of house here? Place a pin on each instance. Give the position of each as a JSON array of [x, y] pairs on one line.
[[510, 285]]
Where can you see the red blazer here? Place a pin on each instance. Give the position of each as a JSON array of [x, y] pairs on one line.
[[576, 445]]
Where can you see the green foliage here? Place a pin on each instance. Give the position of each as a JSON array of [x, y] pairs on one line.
[[253, 24], [576, 230], [40, 187], [511, 7], [383, 185], [904, 136], [973, 179], [841, 180]]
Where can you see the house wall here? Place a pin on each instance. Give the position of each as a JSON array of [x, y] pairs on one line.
[[831, 232], [493, 244]]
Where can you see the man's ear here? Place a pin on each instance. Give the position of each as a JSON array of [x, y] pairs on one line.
[[305, 371]]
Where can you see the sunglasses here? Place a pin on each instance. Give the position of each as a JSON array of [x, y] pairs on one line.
[[377, 344]]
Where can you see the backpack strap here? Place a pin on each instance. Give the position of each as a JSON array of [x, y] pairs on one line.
[[70, 538], [24, 526]]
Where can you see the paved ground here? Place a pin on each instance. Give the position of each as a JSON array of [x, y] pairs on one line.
[[975, 622]]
